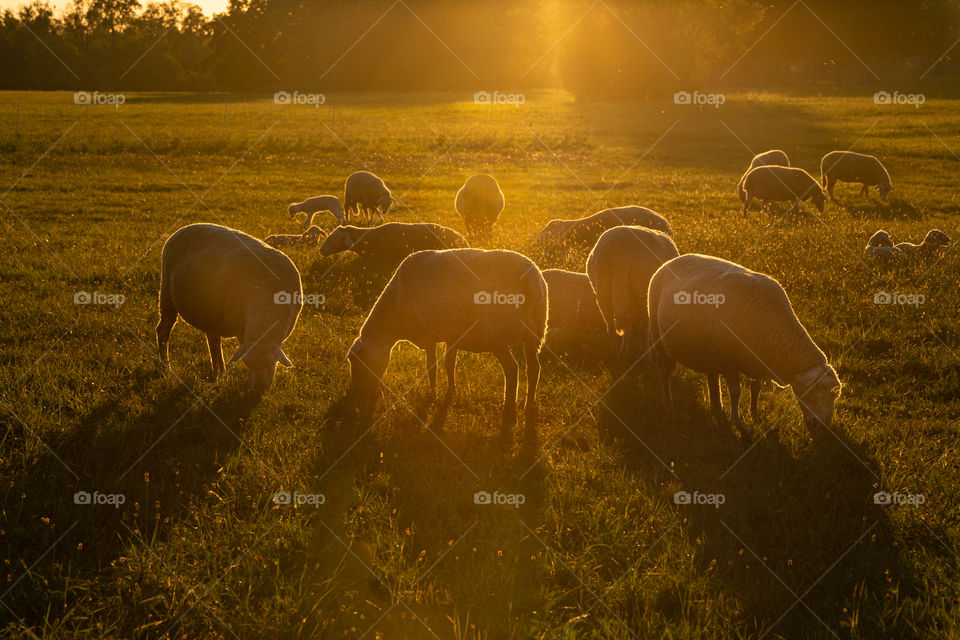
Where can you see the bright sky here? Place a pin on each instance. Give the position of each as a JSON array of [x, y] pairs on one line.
[[209, 6]]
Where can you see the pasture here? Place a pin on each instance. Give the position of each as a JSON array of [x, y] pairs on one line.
[[589, 542]]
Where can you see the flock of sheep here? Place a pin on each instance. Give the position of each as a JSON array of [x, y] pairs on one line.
[[694, 309]]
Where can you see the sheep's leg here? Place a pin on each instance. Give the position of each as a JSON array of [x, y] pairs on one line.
[[168, 317], [666, 369], [308, 220], [830, 185], [531, 353], [450, 364], [733, 389], [431, 352], [216, 354], [746, 204], [510, 371], [865, 191], [716, 403], [755, 386]]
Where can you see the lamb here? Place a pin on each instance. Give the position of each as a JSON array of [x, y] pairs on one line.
[[479, 202], [934, 240], [470, 299], [393, 241], [882, 254], [720, 318], [229, 284], [880, 239], [573, 304], [314, 205], [366, 193], [309, 237], [767, 158], [849, 166], [620, 267], [584, 232], [775, 183]]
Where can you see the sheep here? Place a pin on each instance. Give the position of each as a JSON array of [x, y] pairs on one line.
[[573, 304], [720, 318], [309, 237], [479, 202], [775, 183], [934, 240], [619, 268], [393, 241], [880, 239], [883, 253], [365, 192], [849, 166], [470, 299], [584, 232], [767, 158], [229, 284], [314, 205]]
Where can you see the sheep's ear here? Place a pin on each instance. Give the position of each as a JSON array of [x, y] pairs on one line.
[[282, 357]]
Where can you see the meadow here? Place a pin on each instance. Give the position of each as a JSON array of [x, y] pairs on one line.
[[597, 546]]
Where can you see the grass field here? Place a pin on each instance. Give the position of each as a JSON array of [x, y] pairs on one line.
[[798, 549]]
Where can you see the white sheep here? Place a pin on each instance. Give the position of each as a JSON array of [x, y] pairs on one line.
[[620, 267], [573, 304], [479, 202], [309, 237], [776, 184], [229, 284], [720, 318], [366, 193], [933, 242], [470, 299], [583, 232], [765, 159], [393, 241], [849, 166], [312, 206]]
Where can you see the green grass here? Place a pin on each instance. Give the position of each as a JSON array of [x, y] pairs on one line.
[[399, 549]]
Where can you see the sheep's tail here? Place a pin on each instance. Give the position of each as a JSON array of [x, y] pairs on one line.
[[535, 288]]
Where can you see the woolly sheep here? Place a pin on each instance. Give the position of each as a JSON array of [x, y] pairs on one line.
[[314, 205], [880, 239], [393, 241], [366, 193], [585, 231], [470, 299], [767, 158], [775, 183], [229, 284], [934, 240], [573, 304], [849, 166], [620, 267], [720, 318], [479, 202], [309, 237]]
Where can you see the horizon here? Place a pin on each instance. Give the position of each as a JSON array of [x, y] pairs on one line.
[[209, 6]]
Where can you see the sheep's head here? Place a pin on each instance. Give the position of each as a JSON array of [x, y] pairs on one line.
[[261, 359], [884, 190], [553, 232], [817, 390], [937, 238], [880, 239], [384, 203], [293, 210], [820, 199], [312, 234], [338, 240], [367, 364]]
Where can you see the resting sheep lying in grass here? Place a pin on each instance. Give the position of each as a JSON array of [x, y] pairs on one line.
[[393, 241], [229, 284], [765, 159], [777, 184], [849, 166], [620, 267], [584, 232], [470, 299], [719, 318], [880, 248], [933, 242], [365, 193], [573, 304], [479, 202], [312, 206], [309, 237]]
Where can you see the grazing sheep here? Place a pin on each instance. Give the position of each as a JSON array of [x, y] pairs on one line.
[[393, 241], [479, 202], [719, 318], [849, 166], [934, 240], [470, 299], [775, 183], [573, 304], [366, 193], [309, 237], [229, 284], [880, 239], [883, 254], [620, 267], [314, 205], [584, 232], [765, 159]]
